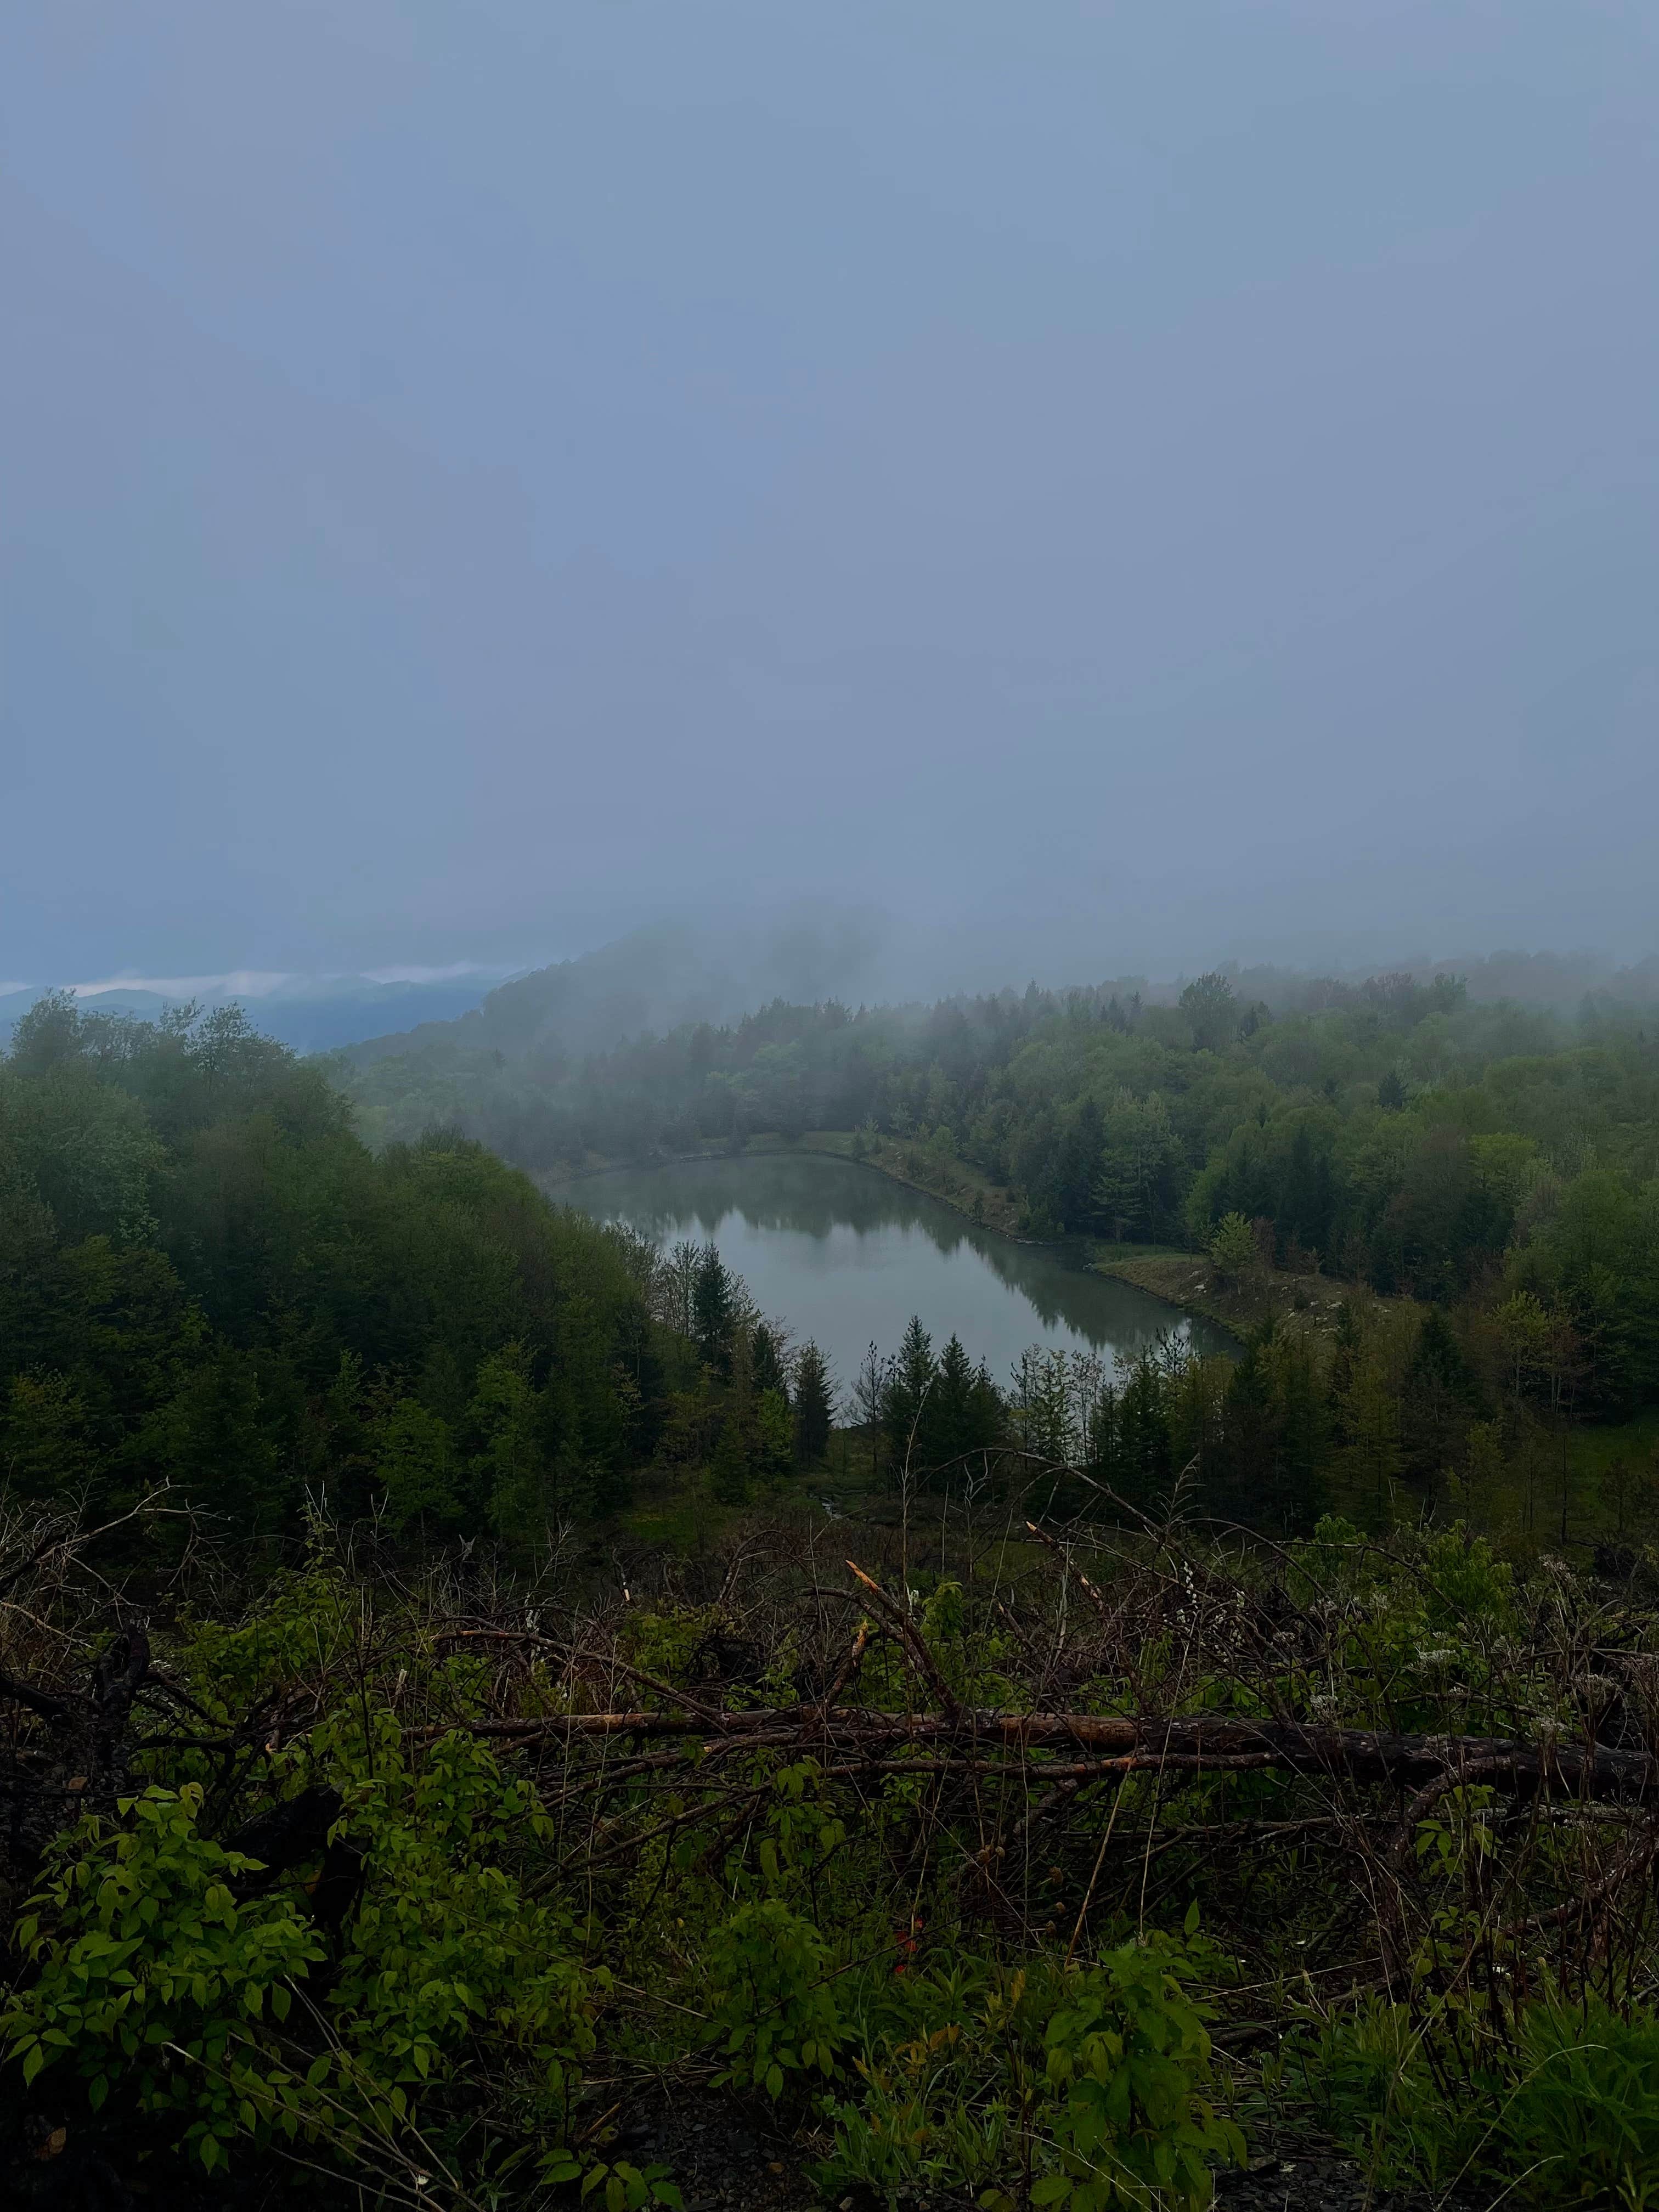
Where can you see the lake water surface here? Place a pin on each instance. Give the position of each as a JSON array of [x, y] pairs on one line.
[[845, 1255]]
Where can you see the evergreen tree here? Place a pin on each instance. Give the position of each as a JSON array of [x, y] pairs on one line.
[[1250, 1433], [729, 1480], [221, 1449], [1044, 1410], [506, 1414], [814, 1406], [774, 1450], [1304, 1433], [415, 1468], [1143, 1430], [1102, 1453], [963, 1413], [1077, 1163], [44, 1451], [1210, 1006], [908, 1385], [766, 1363], [1140, 1167], [1441, 1398], [715, 1310]]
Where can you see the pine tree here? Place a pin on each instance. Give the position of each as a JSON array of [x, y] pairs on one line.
[[729, 1469], [1304, 1429], [814, 1406], [507, 1413], [1143, 1430], [416, 1468], [773, 1436], [219, 1446], [44, 1447], [1441, 1397], [715, 1310], [766, 1363], [963, 1414], [909, 1384], [1250, 1431]]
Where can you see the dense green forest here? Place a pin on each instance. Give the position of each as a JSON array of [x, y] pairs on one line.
[[487, 1723], [1393, 1133], [207, 1281]]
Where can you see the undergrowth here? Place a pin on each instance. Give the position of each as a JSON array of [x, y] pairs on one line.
[[424, 1878]]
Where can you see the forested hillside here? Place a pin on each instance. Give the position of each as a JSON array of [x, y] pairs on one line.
[[207, 1282], [1026, 1796], [1396, 1135]]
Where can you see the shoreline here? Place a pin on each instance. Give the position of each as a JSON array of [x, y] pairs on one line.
[[1143, 1268], [833, 1145]]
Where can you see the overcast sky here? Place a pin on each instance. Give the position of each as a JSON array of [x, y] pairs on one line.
[[1163, 480]]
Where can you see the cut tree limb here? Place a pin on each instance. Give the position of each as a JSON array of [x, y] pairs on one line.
[[1410, 1762]]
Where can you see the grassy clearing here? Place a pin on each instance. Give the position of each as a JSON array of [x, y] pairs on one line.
[[1306, 1304]]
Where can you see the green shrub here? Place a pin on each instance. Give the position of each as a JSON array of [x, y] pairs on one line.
[[1126, 2055], [446, 1952], [152, 1980], [772, 2014], [1081, 2088], [1232, 1247]]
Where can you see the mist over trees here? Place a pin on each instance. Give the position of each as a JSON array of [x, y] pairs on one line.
[[1391, 1132], [207, 1282], [498, 1603]]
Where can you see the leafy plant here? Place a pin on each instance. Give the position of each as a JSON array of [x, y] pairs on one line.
[[1127, 2053], [1570, 2100], [449, 1959], [1081, 2088], [626, 2188], [153, 1980], [773, 2014]]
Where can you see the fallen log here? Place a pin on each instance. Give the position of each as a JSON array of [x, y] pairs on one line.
[[1557, 1766]]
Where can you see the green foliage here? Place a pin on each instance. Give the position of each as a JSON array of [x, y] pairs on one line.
[[467, 1965], [1389, 1131], [152, 1980], [814, 1409], [773, 1436], [947, 2078], [1584, 2116], [773, 2017], [446, 1952], [625, 2187], [715, 1310], [1128, 2054], [416, 1466], [731, 1469], [1232, 1247], [1079, 2086], [935, 1412], [1569, 2103], [194, 1249], [156, 1983]]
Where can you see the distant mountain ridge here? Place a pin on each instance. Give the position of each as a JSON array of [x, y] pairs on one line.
[[657, 979], [312, 1014], [650, 981]]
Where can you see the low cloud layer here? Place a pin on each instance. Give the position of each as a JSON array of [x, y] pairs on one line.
[[1115, 491]]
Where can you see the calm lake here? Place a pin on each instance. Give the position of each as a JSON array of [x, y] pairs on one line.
[[845, 1255]]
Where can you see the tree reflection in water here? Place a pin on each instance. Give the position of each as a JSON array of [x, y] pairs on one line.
[[846, 1255]]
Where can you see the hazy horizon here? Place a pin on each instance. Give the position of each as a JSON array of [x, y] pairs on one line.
[[1116, 491], [721, 965], [898, 963]]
